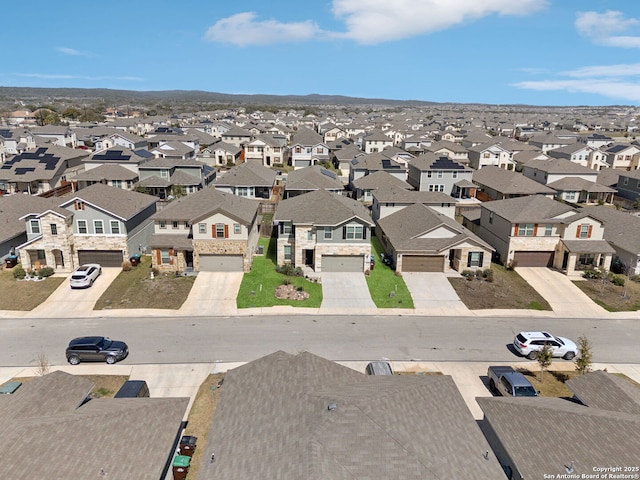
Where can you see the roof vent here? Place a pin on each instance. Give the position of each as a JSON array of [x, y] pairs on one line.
[[332, 407]]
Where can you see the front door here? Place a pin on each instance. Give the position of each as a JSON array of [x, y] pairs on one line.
[[308, 257], [188, 258]]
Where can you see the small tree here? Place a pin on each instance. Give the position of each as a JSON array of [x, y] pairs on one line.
[[42, 365], [544, 356], [585, 357]]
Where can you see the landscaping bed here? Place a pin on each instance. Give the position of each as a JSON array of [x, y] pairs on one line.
[[25, 295], [503, 289]]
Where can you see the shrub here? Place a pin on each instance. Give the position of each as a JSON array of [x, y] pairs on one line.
[[487, 273], [511, 265], [617, 280], [468, 274], [592, 273], [19, 273], [45, 272], [126, 266], [155, 271], [289, 270], [300, 289]]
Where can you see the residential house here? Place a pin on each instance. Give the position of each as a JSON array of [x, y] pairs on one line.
[[375, 162], [355, 425], [623, 156], [163, 177], [114, 175], [491, 153], [236, 136], [537, 231], [628, 184], [207, 231], [450, 149], [581, 154], [37, 172], [597, 140], [331, 133], [307, 149], [420, 239], [548, 141], [325, 231], [16, 141], [266, 150], [387, 200], [495, 183], [342, 157], [120, 156], [365, 186], [98, 224], [435, 173], [449, 136], [57, 424], [608, 418], [525, 156], [127, 140], [59, 135], [309, 179], [174, 150], [222, 153], [376, 141], [398, 155], [249, 180]]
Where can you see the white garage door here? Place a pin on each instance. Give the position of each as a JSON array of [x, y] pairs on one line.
[[343, 263], [221, 263]]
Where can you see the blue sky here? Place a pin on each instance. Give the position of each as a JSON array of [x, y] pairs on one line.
[[537, 52]]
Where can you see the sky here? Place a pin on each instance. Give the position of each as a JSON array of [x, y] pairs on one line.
[[535, 52]]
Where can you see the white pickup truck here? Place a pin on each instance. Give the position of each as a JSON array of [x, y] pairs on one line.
[[509, 383]]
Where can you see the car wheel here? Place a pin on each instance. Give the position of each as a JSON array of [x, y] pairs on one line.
[[111, 360], [569, 355], [532, 355], [74, 360]]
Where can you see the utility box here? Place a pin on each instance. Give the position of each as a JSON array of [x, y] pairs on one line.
[[11, 261], [188, 445], [135, 259], [181, 467]]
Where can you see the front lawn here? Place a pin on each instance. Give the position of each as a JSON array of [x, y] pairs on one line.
[[611, 297], [25, 295], [387, 289], [259, 285], [136, 289], [507, 290]]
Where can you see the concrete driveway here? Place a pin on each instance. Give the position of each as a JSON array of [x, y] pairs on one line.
[[345, 291], [565, 298], [433, 294], [213, 293], [66, 302]]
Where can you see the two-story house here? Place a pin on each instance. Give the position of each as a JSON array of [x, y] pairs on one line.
[[307, 149], [375, 162], [324, 231], [582, 155], [491, 153], [266, 150], [376, 141], [163, 177], [623, 157], [309, 179], [495, 183], [249, 180], [390, 199], [435, 173], [62, 136]]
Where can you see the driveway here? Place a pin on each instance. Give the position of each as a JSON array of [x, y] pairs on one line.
[[433, 294], [565, 298], [346, 291], [213, 293], [66, 302]]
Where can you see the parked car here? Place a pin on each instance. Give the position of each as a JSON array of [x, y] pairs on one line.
[[528, 343], [509, 383], [96, 349], [84, 276]]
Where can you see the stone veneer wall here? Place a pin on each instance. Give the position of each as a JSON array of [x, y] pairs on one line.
[[179, 262], [461, 256], [63, 241]]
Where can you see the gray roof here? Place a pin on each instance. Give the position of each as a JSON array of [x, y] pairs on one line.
[[621, 229], [559, 165], [451, 146], [402, 196], [14, 207], [531, 208], [579, 184], [106, 172], [227, 147], [248, 174], [432, 161], [313, 178], [588, 246], [406, 229], [376, 161], [273, 422], [604, 390], [124, 204], [154, 181], [306, 137], [509, 182], [42, 164], [205, 203], [534, 431], [178, 241], [47, 431], [321, 207], [380, 179]]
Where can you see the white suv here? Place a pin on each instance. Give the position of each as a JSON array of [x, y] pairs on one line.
[[528, 343]]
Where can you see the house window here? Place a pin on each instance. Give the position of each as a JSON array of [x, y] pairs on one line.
[[98, 227], [287, 253], [219, 230], [429, 174], [454, 174], [35, 226], [164, 173], [584, 230], [163, 224], [82, 227], [115, 227], [586, 259], [569, 195], [78, 205], [309, 234], [202, 228], [486, 155], [242, 191], [250, 149], [526, 230], [440, 174], [474, 259], [298, 150], [436, 188], [353, 232], [548, 230], [285, 228], [237, 229], [54, 229], [117, 183], [174, 224], [328, 233], [165, 258], [625, 180], [320, 150]]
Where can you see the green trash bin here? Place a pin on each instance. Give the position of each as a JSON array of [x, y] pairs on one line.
[[180, 467]]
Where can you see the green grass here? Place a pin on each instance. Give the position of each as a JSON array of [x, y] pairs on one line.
[[258, 285], [382, 280]]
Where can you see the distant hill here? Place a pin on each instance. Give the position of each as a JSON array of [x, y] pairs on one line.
[[190, 96]]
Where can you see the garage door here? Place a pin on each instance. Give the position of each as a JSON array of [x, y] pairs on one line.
[[533, 259], [221, 263], [343, 263], [422, 263], [106, 258]]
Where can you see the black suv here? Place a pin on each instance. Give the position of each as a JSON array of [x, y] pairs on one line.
[[96, 349]]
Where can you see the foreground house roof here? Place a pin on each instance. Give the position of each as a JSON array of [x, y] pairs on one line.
[[321, 207]]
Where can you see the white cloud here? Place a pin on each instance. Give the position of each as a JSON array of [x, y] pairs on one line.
[[377, 21], [72, 52], [242, 30], [608, 28], [595, 71], [613, 89], [53, 76]]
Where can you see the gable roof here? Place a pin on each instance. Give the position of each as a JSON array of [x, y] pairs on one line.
[[248, 174], [431, 161], [621, 229], [120, 155], [313, 178], [380, 179], [559, 166], [106, 172], [531, 208], [410, 427], [42, 164], [509, 182], [603, 390], [321, 207], [124, 204], [306, 137], [14, 207], [396, 195]]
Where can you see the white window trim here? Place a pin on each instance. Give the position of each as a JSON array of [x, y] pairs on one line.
[[86, 226], [111, 222], [39, 226], [95, 230]]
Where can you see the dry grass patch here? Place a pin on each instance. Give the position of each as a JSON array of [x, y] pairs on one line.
[[200, 417], [553, 381], [613, 298], [25, 295]]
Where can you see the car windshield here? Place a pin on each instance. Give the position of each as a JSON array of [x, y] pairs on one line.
[[525, 392], [521, 338], [104, 343]]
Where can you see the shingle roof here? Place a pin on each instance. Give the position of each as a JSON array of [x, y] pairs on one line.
[[273, 421], [313, 178], [321, 207], [306, 137], [13, 207], [248, 174], [46, 431], [399, 195], [42, 164], [531, 208], [380, 179], [621, 229], [432, 161], [509, 182], [579, 184], [123, 203], [106, 172], [559, 165], [603, 390]]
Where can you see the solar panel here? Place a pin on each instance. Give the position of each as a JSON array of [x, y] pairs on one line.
[[23, 170], [445, 163], [144, 153], [387, 165], [328, 173]]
